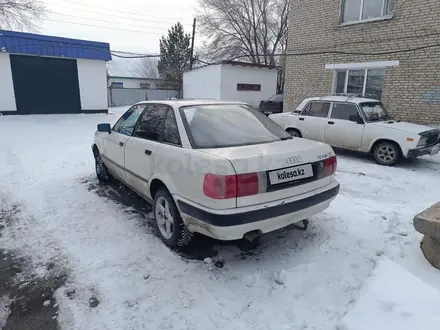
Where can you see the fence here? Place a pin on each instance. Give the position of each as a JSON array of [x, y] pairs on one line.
[[126, 96]]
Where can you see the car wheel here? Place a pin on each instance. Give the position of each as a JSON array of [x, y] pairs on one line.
[[294, 132], [101, 170], [170, 226], [386, 153]]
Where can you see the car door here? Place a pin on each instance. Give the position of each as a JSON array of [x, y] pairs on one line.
[[170, 159], [114, 144], [313, 120], [140, 151], [340, 131]]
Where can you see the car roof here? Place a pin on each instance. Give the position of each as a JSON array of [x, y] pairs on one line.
[[341, 98], [188, 102]]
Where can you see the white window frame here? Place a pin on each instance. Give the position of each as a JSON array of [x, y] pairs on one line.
[[357, 66], [384, 15], [347, 73]]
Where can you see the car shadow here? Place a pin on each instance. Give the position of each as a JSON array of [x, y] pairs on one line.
[[201, 247], [131, 202]]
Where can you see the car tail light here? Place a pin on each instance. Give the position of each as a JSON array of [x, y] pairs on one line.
[[330, 165], [247, 184], [220, 186], [231, 186]]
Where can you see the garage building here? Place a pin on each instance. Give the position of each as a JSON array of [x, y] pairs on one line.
[[231, 80], [43, 74]]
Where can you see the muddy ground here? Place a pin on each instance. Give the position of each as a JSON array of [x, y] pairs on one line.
[[32, 303]]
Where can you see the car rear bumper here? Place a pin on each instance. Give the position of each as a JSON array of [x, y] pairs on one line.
[[234, 224], [432, 150]]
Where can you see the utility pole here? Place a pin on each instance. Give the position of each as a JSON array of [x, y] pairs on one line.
[[192, 45]]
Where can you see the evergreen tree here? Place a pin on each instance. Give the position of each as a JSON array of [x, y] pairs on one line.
[[175, 53]]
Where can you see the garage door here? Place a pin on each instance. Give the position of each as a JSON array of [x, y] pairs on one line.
[[45, 85]]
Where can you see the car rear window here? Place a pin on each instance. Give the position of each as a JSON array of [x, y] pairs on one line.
[[228, 125], [276, 98]]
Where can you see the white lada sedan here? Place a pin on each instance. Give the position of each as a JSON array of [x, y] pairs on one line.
[[222, 169]]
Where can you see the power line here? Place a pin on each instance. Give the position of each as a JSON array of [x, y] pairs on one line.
[[138, 55], [105, 27], [112, 22], [111, 15], [203, 62], [318, 53], [121, 11], [131, 53], [133, 57], [337, 52]]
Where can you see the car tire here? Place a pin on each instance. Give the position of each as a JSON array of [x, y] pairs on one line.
[[102, 172], [386, 153], [169, 224], [294, 132]]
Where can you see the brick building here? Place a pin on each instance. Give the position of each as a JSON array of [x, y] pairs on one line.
[[408, 82]]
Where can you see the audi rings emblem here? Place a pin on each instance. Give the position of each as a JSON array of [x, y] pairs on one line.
[[293, 160]]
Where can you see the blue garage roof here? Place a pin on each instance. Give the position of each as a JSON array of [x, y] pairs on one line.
[[36, 44]]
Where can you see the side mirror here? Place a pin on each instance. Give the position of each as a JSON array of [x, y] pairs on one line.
[[356, 118], [106, 128]]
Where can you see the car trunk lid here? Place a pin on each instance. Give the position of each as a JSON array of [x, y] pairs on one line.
[[285, 168]]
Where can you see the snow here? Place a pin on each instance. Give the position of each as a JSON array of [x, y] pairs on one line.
[[4, 310], [293, 280], [393, 298]]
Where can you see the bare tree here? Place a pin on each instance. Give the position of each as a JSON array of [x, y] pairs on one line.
[[20, 14], [147, 68], [250, 30]]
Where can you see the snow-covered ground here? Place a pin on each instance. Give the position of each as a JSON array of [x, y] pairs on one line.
[[293, 280], [393, 298]]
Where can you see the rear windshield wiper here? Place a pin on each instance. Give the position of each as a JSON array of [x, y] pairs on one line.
[[287, 138]]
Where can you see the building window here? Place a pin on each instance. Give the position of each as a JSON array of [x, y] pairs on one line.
[[117, 85], [360, 81], [359, 10], [144, 86], [248, 87]]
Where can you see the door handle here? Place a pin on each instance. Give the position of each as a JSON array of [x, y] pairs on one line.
[[148, 152], [121, 144], [331, 122], [302, 119]]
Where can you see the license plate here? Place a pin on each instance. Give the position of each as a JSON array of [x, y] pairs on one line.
[[434, 151], [291, 174]]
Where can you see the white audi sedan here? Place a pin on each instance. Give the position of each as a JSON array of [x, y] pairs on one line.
[[222, 169]]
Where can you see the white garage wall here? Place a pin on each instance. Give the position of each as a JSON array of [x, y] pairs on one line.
[[203, 83], [92, 77], [7, 95], [235, 74]]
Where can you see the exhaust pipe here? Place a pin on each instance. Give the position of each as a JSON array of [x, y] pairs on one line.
[[253, 236]]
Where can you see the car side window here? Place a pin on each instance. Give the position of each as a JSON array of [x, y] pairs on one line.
[[152, 122], [305, 111], [170, 130], [125, 125], [343, 111], [319, 109]]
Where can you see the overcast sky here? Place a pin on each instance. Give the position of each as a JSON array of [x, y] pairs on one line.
[[103, 20]]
